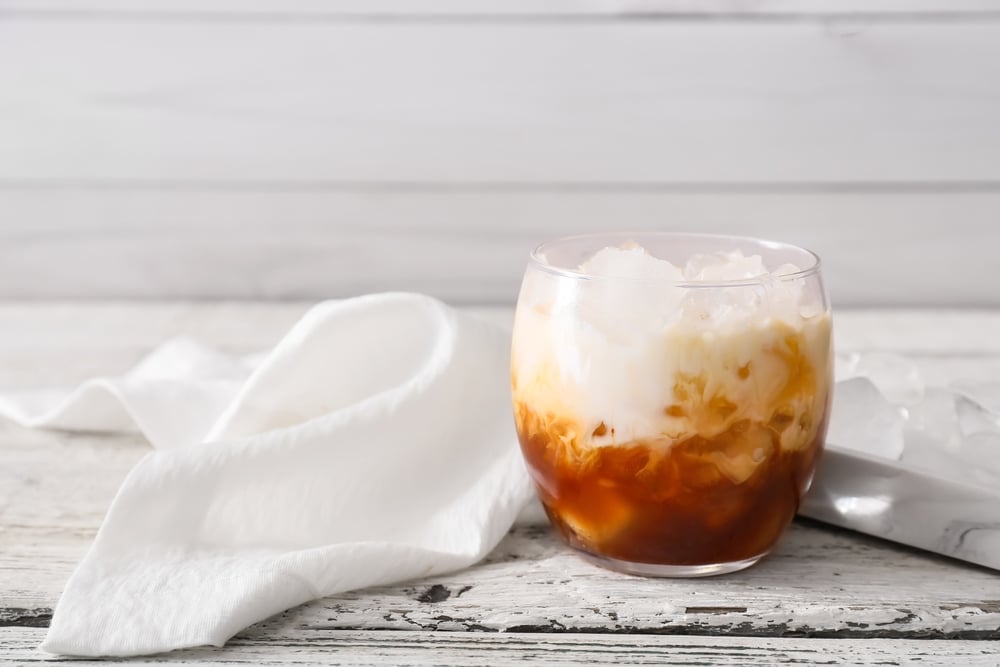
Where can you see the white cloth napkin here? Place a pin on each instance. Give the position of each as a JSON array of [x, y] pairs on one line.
[[374, 444]]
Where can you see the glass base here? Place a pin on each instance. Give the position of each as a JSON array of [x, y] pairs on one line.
[[676, 571]]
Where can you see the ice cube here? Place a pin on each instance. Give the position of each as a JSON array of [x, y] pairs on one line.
[[981, 452], [934, 415], [722, 266], [634, 291], [862, 419], [642, 291], [785, 270], [784, 296], [630, 261], [845, 365], [986, 394], [975, 418], [930, 454], [734, 305], [896, 376], [952, 436], [931, 434], [978, 407], [971, 459]]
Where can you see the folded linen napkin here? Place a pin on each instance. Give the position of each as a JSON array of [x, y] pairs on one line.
[[374, 444]]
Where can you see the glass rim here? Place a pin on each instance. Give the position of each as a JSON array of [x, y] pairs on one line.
[[537, 259]]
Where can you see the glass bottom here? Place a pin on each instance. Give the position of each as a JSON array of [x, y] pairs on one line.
[[669, 571]]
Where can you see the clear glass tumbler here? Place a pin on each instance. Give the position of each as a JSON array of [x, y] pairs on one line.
[[671, 414]]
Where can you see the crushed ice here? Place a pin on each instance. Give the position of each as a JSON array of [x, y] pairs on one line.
[[863, 419], [655, 294], [885, 409]]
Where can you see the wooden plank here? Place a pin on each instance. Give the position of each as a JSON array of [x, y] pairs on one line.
[[820, 583], [374, 648], [55, 488], [465, 246], [188, 101], [17, 646], [505, 8]]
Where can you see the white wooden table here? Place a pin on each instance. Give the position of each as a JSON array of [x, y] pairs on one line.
[[826, 596]]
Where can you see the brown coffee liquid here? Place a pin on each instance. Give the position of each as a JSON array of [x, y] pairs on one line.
[[699, 501]]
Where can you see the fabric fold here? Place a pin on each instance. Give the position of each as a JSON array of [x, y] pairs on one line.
[[373, 444]]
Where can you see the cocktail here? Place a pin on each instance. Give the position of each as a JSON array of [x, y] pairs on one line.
[[671, 395]]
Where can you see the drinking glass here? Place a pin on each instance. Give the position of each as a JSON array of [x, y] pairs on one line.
[[671, 420]]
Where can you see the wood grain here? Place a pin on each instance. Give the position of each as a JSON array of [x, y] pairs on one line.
[[259, 149], [821, 582], [186, 101], [474, 649], [895, 249]]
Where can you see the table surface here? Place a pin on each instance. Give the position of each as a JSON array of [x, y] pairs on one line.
[[825, 595]]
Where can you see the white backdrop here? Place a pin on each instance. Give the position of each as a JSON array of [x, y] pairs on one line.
[[314, 148]]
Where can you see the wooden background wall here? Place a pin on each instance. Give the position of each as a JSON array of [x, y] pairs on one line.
[[317, 148]]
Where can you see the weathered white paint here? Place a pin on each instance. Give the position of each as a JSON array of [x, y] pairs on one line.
[[465, 246], [187, 101], [265, 149], [461, 649], [55, 488]]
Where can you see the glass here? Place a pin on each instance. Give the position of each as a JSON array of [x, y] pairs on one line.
[[671, 422]]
